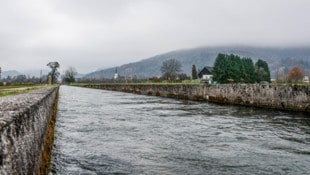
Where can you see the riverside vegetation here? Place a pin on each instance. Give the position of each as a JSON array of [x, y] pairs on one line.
[[18, 89]]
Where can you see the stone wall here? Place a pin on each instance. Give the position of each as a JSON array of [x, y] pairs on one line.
[[296, 98], [24, 121]]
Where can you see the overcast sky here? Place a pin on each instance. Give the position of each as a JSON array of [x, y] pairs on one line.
[[92, 34]]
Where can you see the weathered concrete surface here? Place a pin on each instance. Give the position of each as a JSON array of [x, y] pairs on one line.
[[45, 159], [296, 98], [24, 121]]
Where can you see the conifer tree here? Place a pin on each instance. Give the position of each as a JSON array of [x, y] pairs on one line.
[[262, 71], [248, 70], [234, 68], [194, 73], [220, 69]]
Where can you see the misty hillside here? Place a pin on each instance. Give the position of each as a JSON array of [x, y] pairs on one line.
[[205, 56], [35, 72], [31, 73], [10, 73]]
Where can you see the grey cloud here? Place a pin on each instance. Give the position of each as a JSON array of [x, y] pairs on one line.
[[91, 34]]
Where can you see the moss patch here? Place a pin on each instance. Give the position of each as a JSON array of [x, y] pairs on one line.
[[48, 141]]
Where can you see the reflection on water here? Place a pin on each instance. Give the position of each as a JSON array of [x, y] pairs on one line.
[[104, 132]]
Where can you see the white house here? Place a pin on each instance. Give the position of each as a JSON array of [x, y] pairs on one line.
[[306, 79], [206, 74]]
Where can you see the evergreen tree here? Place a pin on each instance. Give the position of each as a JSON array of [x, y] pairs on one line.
[[248, 70], [220, 68], [243, 72], [262, 71], [194, 73], [233, 68]]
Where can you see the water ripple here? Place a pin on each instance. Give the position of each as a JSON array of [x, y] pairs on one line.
[[102, 132]]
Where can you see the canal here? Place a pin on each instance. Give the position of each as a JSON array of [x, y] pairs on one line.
[[105, 132]]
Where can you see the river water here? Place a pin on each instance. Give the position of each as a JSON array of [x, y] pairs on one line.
[[105, 132]]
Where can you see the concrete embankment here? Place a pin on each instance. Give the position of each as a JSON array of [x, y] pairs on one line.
[[26, 131], [295, 98]]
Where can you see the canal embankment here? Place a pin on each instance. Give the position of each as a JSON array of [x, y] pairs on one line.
[[288, 97], [26, 131]]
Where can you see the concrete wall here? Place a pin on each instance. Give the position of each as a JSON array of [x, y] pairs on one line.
[[296, 98], [24, 121]]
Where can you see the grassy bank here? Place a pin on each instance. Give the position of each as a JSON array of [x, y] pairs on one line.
[[179, 83], [144, 83], [18, 89]]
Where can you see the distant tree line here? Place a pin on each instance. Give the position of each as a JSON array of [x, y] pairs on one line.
[[111, 80], [232, 68], [295, 75], [23, 79]]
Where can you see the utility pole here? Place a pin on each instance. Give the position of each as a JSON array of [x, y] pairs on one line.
[[277, 74], [0, 74], [41, 76]]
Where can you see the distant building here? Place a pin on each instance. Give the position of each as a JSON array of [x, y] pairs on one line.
[[116, 74], [306, 79], [206, 74]]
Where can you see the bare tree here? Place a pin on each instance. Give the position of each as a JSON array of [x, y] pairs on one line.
[[295, 75], [170, 69], [54, 73], [70, 75]]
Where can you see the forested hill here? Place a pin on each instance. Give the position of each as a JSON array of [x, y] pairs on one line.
[[205, 56]]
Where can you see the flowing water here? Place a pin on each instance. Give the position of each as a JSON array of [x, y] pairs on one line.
[[105, 132]]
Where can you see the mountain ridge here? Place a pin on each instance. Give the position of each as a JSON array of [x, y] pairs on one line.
[[10, 73], [205, 56]]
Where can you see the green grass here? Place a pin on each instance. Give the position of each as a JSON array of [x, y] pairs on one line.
[[18, 89], [16, 86], [186, 82], [145, 83]]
